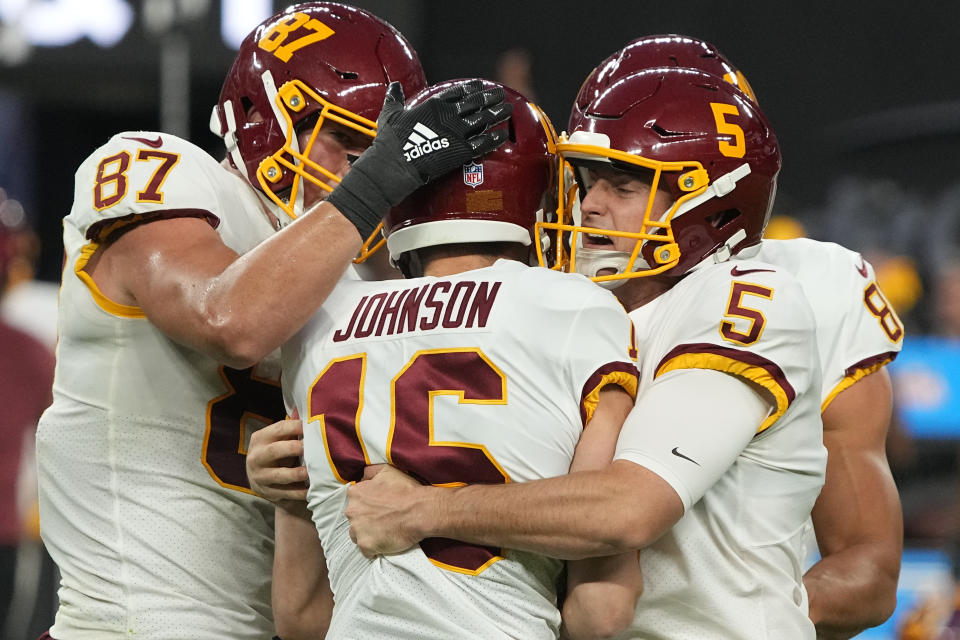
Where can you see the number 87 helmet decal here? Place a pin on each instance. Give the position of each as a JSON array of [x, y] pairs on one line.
[[313, 63], [691, 135]]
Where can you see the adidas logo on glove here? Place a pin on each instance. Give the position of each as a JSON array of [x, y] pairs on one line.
[[421, 141]]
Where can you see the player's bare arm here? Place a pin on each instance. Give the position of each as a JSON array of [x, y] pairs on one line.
[[579, 515], [584, 514], [857, 517], [196, 290], [601, 592], [273, 462], [302, 600], [201, 294]]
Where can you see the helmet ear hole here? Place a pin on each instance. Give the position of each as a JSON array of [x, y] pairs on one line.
[[720, 219]]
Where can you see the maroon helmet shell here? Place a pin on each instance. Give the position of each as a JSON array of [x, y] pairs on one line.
[[704, 141], [496, 198], [669, 50], [320, 60]]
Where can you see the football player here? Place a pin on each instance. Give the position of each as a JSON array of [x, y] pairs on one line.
[[177, 289], [26, 376], [721, 460], [857, 517], [476, 368]]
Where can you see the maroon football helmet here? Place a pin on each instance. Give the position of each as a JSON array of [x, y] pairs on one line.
[[314, 62], [498, 198], [688, 133], [668, 50]]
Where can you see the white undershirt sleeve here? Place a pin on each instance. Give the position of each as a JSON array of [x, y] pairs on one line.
[[689, 427]]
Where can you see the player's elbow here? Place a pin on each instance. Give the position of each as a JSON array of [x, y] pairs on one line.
[[637, 528], [599, 618], [631, 532], [613, 623], [608, 621], [234, 341], [881, 579], [292, 624], [637, 507], [884, 602], [885, 609]]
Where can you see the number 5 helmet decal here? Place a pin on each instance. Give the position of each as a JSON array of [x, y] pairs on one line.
[[696, 137]]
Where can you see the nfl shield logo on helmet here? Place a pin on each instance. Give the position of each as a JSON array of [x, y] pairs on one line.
[[473, 174]]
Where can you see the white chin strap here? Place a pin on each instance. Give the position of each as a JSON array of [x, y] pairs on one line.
[[591, 262], [717, 189], [724, 252], [228, 132]]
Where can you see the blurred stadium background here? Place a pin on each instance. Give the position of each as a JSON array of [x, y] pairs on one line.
[[864, 100]]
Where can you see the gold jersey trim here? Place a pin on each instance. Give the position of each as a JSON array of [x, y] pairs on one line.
[[105, 303]]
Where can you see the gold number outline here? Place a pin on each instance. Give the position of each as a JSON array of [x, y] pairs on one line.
[[735, 309], [882, 313], [279, 32], [739, 147]]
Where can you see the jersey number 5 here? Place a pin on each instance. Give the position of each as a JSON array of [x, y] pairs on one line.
[[336, 400], [736, 309]]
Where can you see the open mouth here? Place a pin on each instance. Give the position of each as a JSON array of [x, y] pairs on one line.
[[597, 240]]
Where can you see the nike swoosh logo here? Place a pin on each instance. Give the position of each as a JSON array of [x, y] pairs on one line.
[[736, 271], [862, 268], [675, 451], [150, 143]]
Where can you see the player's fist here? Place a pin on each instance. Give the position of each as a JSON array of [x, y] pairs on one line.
[[416, 144], [379, 510], [273, 462]]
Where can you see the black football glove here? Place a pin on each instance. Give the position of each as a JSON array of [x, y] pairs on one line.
[[415, 145]]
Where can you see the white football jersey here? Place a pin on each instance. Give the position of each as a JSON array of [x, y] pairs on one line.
[[731, 567], [144, 502], [857, 329], [483, 377]]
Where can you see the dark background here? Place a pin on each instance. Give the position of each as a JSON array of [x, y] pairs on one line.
[[864, 97], [868, 89]]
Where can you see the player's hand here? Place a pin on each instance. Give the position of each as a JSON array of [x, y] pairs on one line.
[[273, 462], [415, 145], [379, 510], [458, 118]]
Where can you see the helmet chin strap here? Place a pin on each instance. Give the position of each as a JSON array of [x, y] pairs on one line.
[[724, 252], [228, 132], [590, 262], [717, 189]]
